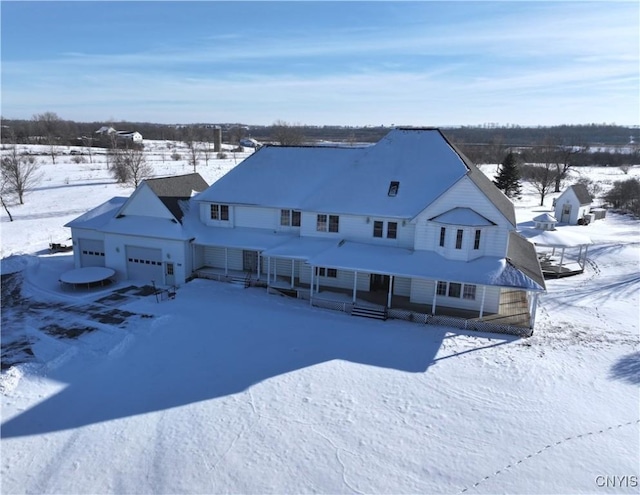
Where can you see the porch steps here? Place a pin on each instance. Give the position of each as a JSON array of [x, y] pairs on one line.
[[369, 312], [243, 281]]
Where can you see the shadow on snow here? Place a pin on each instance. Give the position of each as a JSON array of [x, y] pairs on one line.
[[244, 337], [627, 369]]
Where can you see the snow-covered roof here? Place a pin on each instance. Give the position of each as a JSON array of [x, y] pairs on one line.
[[462, 216], [172, 190], [556, 238], [99, 216], [349, 180], [487, 270], [545, 218]]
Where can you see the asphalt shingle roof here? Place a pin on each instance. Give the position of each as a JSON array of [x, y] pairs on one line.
[[172, 190]]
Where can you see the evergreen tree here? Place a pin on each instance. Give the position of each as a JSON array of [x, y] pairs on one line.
[[508, 180]]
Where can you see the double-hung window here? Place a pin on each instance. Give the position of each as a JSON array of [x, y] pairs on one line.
[[443, 233], [326, 272], [378, 229], [454, 289], [328, 223], [219, 212], [476, 240], [459, 238], [290, 218]]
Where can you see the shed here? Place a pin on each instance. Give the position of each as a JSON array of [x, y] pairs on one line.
[[573, 204]]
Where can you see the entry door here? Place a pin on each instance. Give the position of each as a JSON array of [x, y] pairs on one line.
[[249, 261], [379, 282], [170, 278], [566, 213]]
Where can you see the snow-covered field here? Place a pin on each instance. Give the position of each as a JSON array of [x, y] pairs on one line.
[[231, 390]]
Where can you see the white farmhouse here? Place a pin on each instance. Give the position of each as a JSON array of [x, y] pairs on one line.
[[406, 228], [573, 204]]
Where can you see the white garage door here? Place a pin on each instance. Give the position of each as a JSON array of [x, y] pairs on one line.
[[144, 264], [91, 252]]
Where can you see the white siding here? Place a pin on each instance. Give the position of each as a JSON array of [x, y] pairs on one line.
[[344, 280], [463, 194], [205, 216], [215, 258], [402, 286], [145, 203], [173, 251], [421, 291], [359, 228], [256, 217]]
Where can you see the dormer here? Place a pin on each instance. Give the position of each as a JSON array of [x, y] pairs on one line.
[[460, 233]]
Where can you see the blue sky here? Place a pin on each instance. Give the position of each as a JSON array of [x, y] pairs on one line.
[[343, 63]]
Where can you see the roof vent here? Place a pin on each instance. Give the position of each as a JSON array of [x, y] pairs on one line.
[[393, 188]]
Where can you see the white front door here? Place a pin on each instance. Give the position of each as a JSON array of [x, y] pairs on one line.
[[169, 275]]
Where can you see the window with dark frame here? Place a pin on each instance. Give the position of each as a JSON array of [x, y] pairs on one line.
[[476, 241], [459, 239], [393, 188], [295, 218], [224, 212], [326, 272], [377, 228], [443, 233], [334, 223], [454, 289], [392, 230], [442, 289]]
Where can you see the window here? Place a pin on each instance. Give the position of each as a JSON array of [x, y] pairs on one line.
[[469, 291], [290, 218], [326, 272], [333, 225], [321, 225], [285, 217], [476, 241], [442, 289], [459, 239], [219, 212], [392, 230], [295, 218], [377, 228], [454, 289], [393, 188], [443, 233]]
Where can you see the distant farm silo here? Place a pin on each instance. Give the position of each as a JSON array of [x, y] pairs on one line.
[[217, 138]]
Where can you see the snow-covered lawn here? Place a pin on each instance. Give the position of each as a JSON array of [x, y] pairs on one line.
[[231, 390]]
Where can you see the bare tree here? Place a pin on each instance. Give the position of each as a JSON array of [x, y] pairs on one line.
[[50, 126], [3, 191], [19, 173], [129, 166], [287, 134], [206, 150], [192, 145], [88, 142], [625, 167], [564, 158], [541, 177]]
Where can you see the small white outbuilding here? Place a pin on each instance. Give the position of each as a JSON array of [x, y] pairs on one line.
[[573, 204]]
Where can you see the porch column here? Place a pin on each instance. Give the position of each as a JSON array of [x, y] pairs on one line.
[[355, 285], [226, 261], [313, 271], [484, 289], [435, 293], [268, 270], [275, 270], [390, 291], [258, 274], [293, 272], [318, 284], [533, 311]]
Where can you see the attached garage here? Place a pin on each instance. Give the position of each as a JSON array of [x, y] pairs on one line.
[[91, 252], [144, 264]]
